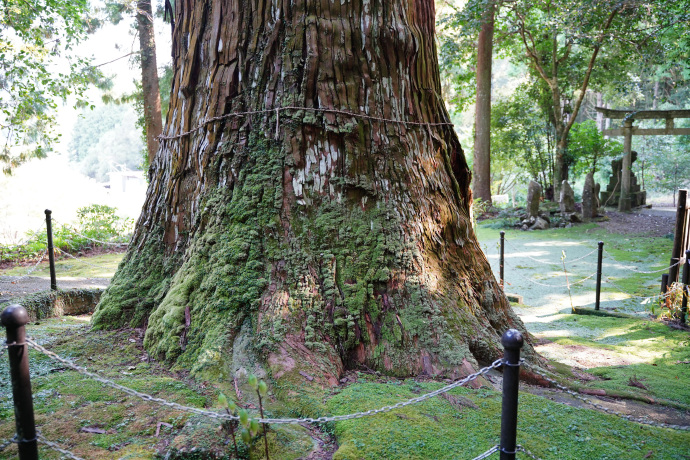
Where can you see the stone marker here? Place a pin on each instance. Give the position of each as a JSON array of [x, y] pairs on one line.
[[597, 202], [588, 205], [533, 198], [567, 201]]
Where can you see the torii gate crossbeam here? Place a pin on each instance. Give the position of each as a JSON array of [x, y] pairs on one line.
[[627, 131]]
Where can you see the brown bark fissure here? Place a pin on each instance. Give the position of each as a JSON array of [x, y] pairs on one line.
[[369, 57]]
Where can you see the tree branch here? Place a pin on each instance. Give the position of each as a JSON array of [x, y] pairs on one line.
[[588, 73]]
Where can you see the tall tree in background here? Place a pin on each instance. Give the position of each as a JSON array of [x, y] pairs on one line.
[[570, 44], [153, 121], [309, 211], [482, 119]]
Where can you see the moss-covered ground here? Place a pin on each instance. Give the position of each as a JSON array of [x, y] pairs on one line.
[[631, 359]]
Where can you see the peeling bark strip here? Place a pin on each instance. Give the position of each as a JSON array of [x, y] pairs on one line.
[[309, 226]]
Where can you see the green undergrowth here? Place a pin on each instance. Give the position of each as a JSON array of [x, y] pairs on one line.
[[648, 360], [70, 407], [100, 266], [467, 422]]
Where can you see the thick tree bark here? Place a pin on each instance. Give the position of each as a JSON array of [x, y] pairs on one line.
[[481, 187], [321, 221], [149, 77]]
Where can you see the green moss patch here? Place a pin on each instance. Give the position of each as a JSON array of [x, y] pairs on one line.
[[467, 423]]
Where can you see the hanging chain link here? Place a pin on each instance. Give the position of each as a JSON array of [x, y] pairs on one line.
[[57, 448], [574, 283], [7, 443], [487, 454], [549, 263], [603, 408], [33, 269], [83, 261], [641, 271], [527, 452], [224, 416]]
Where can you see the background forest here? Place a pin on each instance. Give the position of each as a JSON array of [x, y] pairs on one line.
[[642, 62]]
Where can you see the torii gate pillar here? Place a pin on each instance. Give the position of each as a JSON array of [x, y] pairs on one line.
[[624, 203]]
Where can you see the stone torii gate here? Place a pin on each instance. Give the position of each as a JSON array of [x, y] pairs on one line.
[[628, 131]]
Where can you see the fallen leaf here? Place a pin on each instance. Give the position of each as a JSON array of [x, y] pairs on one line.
[[92, 429], [158, 427]]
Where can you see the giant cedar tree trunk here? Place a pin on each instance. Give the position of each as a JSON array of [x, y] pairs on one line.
[[308, 240]]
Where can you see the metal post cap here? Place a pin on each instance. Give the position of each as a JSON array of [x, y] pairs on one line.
[[601, 243], [512, 339], [48, 211], [14, 316]]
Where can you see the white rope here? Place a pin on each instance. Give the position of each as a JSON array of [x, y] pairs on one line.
[[277, 110]]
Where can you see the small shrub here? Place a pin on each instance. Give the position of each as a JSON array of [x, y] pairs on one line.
[[98, 225]]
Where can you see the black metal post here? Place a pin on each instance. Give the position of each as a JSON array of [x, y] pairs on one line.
[[512, 342], [14, 318], [501, 261], [686, 290], [51, 255], [664, 283], [599, 258], [681, 219]]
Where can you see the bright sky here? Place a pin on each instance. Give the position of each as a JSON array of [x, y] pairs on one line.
[[55, 183], [107, 44]]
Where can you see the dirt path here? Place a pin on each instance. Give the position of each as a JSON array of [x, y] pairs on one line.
[[15, 287]]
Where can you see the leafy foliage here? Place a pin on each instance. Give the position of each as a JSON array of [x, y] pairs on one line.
[[587, 147], [96, 223], [37, 69]]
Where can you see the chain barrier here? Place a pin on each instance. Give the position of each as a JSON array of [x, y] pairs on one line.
[[107, 243], [527, 452], [277, 111], [576, 395], [34, 268], [497, 448], [642, 271], [83, 261], [549, 263], [488, 453], [574, 283], [7, 443], [645, 299], [57, 448], [224, 416]]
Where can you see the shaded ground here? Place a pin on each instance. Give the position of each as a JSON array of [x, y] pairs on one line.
[[655, 221]]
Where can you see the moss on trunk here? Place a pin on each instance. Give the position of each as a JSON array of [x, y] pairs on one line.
[[305, 242]]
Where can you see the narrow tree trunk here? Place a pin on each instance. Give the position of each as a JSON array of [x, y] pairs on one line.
[[149, 77], [310, 207], [481, 187]]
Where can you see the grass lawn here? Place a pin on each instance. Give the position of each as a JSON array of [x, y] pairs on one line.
[[631, 359]]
